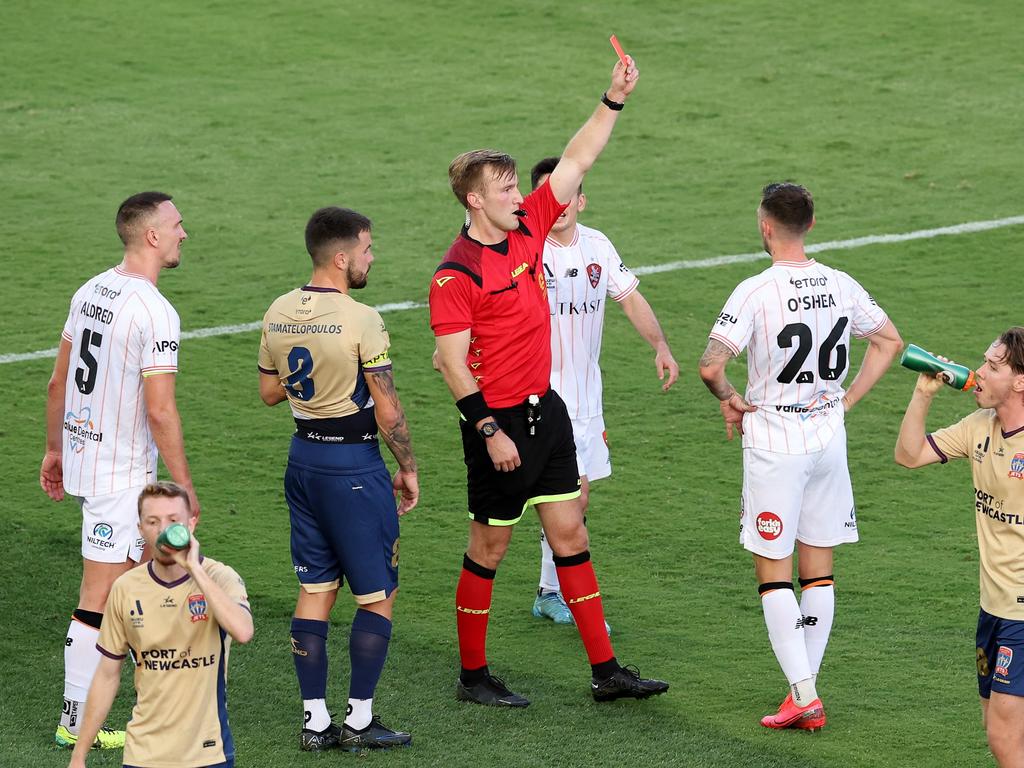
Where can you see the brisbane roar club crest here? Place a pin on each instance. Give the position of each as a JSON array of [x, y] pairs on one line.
[[197, 607], [594, 274]]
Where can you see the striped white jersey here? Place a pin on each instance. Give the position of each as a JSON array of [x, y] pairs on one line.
[[580, 279], [121, 329], [795, 320]]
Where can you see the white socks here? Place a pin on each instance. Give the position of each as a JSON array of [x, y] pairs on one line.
[[316, 715], [548, 576], [786, 632], [818, 606], [80, 661], [360, 713]]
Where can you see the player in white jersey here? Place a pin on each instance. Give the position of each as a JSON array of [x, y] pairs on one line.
[[110, 407], [795, 320], [583, 271]]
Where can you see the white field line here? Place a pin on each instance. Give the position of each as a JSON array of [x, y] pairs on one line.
[[714, 261]]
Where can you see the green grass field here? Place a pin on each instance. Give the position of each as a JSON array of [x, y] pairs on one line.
[[898, 116]]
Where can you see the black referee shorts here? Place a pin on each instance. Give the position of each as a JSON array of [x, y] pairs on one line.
[[548, 470]]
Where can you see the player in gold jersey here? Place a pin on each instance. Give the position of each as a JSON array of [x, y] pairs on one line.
[[327, 355], [177, 616], [993, 437]]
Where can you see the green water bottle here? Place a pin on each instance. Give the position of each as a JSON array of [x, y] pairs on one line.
[[957, 376], [174, 536]]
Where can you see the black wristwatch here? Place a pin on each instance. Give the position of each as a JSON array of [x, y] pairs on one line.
[[488, 429]]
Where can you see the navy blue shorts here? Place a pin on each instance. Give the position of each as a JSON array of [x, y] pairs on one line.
[[344, 522], [1000, 655]]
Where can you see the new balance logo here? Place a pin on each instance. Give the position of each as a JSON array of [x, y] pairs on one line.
[[806, 621], [572, 272]]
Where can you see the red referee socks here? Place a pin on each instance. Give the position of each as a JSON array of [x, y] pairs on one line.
[[472, 609], [581, 593]]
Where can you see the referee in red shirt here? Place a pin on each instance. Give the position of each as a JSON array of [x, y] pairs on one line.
[[489, 312]]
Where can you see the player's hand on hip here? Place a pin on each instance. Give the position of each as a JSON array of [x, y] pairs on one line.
[[663, 361], [407, 489], [503, 452], [732, 412], [624, 79], [51, 475]]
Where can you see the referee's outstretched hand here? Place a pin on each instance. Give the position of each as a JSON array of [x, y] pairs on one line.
[[503, 452]]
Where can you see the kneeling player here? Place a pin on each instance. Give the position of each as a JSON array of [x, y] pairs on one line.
[[177, 616]]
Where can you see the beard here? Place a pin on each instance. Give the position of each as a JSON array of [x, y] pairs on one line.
[[356, 280]]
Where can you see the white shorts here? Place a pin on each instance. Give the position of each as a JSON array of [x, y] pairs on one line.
[[592, 456], [797, 497], [110, 527]]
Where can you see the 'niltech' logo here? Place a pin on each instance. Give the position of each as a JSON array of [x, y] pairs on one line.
[[197, 607], [81, 429]]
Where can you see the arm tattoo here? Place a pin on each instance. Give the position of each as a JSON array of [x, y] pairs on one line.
[[396, 435], [715, 352]]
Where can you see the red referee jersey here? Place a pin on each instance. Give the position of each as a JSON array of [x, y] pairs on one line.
[[498, 292]]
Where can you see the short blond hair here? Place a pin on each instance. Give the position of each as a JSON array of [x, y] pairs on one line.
[[165, 490], [466, 172]]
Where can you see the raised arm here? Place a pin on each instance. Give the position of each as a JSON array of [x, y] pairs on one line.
[[584, 148], [395, 432], [165, 424], [712, 372], [912, 448], [883, 346], [51, 473], [646, 323], [233, 618]]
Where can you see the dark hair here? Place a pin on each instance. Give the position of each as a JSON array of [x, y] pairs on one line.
[[135, 211], [166, 490], [1013, 339], [466, 172], [544, 168], [330, 226], [790, 205]]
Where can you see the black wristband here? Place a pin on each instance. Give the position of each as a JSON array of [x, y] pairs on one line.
[[473, 407], [616, 106]]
